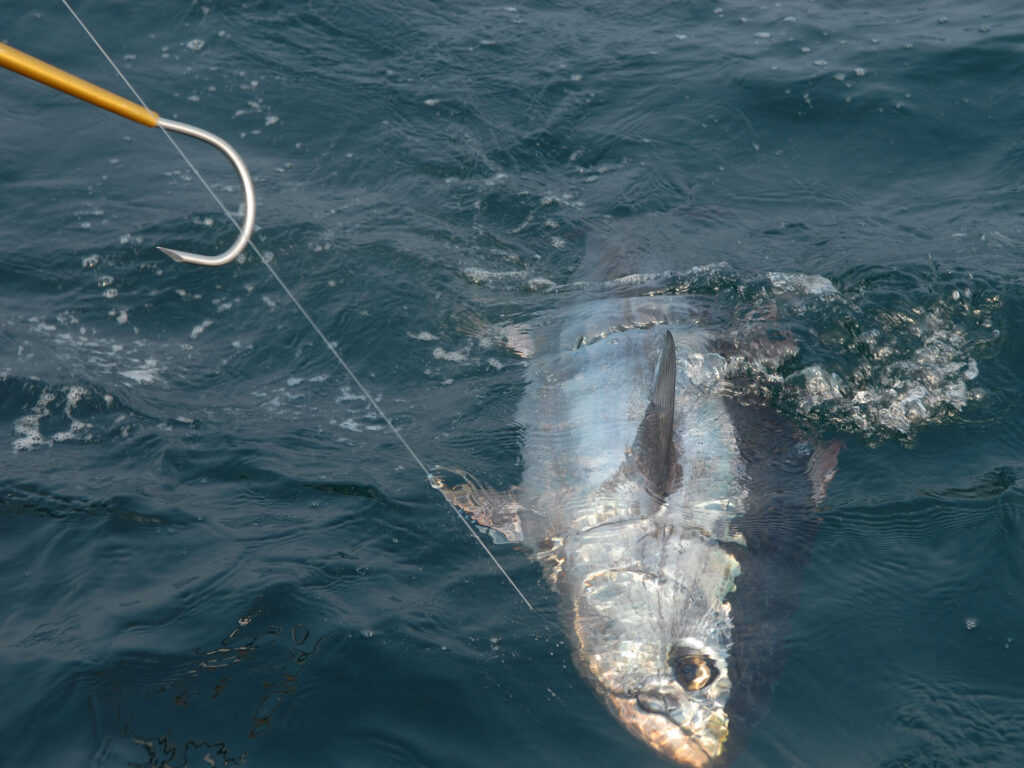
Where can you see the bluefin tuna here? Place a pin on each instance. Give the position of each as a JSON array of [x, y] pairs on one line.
[[671, 513]]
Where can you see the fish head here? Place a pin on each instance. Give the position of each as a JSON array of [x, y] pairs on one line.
[[653, 631], [656, 646], [680, 710]]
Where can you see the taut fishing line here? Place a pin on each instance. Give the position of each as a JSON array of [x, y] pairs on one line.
[[332, 348]]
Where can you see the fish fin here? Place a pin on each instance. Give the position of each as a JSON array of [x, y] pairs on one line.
[[496, 510], [653, 453], [663, 393], [822, 467]]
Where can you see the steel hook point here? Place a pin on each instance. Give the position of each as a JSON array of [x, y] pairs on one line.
[[245, 230]]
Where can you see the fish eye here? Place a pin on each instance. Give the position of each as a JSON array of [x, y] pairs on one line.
[[693, 671]]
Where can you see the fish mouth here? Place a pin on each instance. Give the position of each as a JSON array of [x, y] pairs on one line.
[[666, 737]]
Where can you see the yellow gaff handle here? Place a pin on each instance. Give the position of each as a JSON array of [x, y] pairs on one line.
[[47, 74]]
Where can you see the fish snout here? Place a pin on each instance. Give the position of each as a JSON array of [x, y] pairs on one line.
[[649, 718]]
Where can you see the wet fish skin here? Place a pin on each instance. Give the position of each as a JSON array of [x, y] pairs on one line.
[[632, 533], [634, 496]]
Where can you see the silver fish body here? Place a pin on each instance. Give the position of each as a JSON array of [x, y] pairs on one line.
[[637, 498]]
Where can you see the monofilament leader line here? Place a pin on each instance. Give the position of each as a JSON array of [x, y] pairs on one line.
[[316, 328]]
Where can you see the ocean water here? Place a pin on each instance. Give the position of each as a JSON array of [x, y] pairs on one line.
[[214, 552]]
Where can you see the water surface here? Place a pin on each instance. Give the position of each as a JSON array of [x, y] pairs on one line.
[[215, 553]]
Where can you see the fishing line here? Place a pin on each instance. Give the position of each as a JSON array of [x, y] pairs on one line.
[[332, 348]]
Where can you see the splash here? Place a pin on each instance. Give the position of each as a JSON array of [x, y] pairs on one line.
[[51, 420], [878, 353]]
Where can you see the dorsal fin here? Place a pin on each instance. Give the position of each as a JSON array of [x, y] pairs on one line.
[[663, 391], [654, 453]]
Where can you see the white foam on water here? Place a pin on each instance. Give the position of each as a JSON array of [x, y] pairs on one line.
[[808, 285], [489, 277], [200, 328], [352, 425], [451, 357], [422, 336], [147, 374], [29, 428], [347, 395], [72, 346], [898, 385]]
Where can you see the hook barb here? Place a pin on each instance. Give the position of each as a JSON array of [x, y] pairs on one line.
[[245, 230]]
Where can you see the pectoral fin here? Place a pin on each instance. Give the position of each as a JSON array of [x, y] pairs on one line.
[[492, 509], [653, 452]]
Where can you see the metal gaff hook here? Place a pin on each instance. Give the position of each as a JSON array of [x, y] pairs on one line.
[[250, 197], [39, 70]]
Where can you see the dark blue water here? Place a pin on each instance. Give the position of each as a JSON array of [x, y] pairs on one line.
[[213, 552]]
